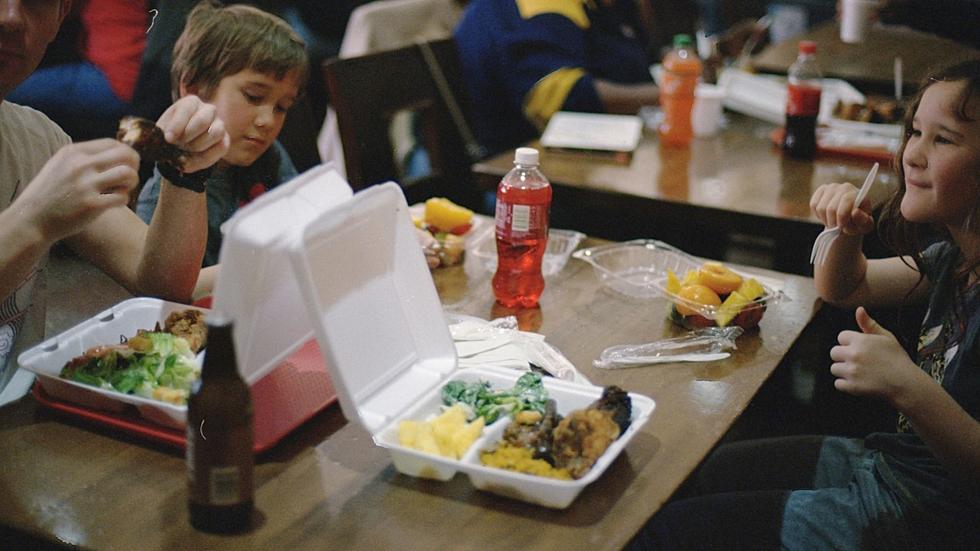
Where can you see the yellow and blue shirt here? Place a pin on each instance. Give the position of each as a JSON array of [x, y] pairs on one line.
[[523, 60]]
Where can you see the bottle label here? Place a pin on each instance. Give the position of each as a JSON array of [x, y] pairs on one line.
[[521, 220], [224, 488], [802, 100]]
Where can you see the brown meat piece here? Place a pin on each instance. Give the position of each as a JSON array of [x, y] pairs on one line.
[[581, 438], [147, 139], [188, 324]]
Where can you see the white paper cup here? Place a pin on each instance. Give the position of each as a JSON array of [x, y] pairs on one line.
[[706, 115], [855, 19]]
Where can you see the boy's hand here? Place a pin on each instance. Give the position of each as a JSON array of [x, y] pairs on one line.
[[194, 126], [77, 184], [833, 205], [872, 362]]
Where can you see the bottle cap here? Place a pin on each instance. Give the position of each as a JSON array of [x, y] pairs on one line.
[[526, 156], [682, 40], [808, 47]]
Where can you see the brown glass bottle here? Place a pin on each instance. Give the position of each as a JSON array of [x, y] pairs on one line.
[[219, 439]]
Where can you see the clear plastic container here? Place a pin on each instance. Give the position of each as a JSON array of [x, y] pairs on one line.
[[638, 269], [561, 244]]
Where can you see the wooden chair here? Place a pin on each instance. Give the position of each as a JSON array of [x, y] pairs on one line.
[[426, 79]]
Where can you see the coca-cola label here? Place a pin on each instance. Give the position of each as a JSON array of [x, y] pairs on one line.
[[521, 220], [802, 100]]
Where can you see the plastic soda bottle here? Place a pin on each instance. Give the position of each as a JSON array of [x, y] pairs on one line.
[[523, 201], [682, 69], [219, 438], [803, 103]]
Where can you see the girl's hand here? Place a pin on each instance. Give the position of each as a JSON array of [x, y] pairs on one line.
[[833, 205], [194, 126], [872, 362]]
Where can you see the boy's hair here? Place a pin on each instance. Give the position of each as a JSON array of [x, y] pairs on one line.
[[910, 238], [219, 41]]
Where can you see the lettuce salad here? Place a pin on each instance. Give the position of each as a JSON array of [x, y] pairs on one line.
[[154, 365]]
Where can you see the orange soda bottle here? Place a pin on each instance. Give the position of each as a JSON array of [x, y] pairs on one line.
[[682, 69]]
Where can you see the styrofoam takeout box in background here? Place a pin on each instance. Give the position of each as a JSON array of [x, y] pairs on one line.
[[108, 327], [384, 338]]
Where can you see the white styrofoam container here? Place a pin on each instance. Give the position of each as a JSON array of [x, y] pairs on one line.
[[121, 321], [255, 287], [384, 338]]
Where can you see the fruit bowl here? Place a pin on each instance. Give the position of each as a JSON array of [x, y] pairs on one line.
[[646, 268]]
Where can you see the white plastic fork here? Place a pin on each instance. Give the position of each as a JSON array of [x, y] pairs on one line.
[[821, 245]]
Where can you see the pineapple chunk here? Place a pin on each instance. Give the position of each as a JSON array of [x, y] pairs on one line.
[[448, 435], [446, 215], [751, 289], [691, 278], [731, 307], [465, 437], [673, 284]]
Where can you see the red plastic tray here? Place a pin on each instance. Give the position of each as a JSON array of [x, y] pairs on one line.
[[292, 393], [873, 154]]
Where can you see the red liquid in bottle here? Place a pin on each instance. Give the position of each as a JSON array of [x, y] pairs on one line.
[[801, 121], [522, 238]]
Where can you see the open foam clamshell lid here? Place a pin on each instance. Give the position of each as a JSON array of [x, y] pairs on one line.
[[256, 286], [376, 312]]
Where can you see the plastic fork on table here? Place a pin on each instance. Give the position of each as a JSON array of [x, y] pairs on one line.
[[821, 245]]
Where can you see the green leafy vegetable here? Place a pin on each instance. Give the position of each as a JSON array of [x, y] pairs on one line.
[[528, 394], [146, 362]]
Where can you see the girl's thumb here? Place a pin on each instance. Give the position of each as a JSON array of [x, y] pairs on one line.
[[867, 324]]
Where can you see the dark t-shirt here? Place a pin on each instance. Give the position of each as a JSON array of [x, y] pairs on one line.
[[508, 47], [947, 350]]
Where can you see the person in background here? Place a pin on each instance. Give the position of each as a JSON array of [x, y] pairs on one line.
[[52, 191], [919, 487], [251, 65], [88, 95], [524, 60]]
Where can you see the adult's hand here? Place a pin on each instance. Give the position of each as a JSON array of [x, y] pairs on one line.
[[80, 182], [194, 126]]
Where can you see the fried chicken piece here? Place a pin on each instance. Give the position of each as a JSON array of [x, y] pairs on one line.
[[581, 438], [617, 402], [147, 139], [188, 324]]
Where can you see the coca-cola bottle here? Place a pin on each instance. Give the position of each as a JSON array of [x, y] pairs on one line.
[[219, 438], [523, 201], [803, 103]]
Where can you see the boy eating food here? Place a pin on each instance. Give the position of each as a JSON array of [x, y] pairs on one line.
[[251, 66]]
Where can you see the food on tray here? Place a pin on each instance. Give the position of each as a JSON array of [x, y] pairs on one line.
[[188, 324], [715, 295], [520, 459], [483, 401], [876, 111], [448, 434], [147, 139], [447, 222], [154, 365], [570, 445]]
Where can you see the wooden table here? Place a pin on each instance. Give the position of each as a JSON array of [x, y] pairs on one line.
[[696, 198], [869, 64], [327, 486]]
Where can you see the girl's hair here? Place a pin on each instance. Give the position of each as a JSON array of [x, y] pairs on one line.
[[220, 41], [909, 238]]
